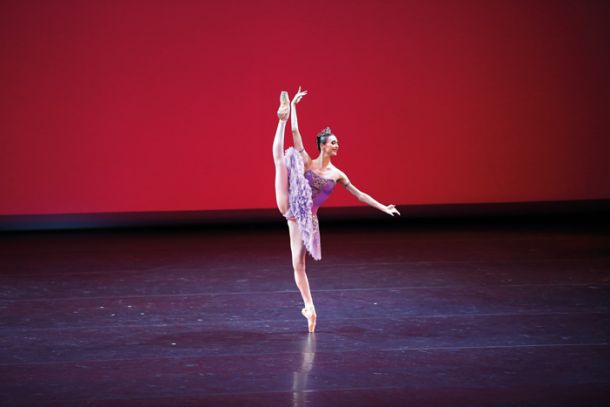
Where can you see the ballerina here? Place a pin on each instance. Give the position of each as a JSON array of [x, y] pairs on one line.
[[302, 185]]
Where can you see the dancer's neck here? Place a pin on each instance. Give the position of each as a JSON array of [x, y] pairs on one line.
[[323, 161]]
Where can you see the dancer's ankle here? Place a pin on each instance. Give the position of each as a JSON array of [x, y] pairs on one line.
[[310, 308]]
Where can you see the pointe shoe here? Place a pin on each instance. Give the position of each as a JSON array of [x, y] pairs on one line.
[[310, 314], [284, 111]]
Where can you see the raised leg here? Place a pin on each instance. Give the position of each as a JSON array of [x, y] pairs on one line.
[[281, 172], [300, 276]]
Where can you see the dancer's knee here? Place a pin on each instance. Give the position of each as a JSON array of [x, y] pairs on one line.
[[298, 266]]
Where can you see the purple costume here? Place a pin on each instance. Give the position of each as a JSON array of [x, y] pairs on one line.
[[307, 191]]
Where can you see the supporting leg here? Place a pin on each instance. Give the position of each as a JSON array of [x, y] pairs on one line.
[[300, 276]]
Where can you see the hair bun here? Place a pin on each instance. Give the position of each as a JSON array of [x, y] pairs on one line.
[[323, 135]]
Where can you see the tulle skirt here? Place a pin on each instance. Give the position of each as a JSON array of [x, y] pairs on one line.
[[300, 203]]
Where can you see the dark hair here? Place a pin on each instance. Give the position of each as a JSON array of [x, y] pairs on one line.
[[323, 136]]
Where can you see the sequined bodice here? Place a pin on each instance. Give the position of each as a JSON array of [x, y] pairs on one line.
[[321, 188]]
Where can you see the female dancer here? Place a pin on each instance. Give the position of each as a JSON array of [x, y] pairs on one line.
[[301, 186]]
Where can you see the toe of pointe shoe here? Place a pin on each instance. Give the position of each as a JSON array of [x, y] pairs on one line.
[[284, 99], [284, 110], [311, 319], [312, 324]]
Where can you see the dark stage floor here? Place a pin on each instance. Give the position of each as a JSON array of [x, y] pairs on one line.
[[409, 315]]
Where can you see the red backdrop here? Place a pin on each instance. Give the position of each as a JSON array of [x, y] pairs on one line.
[[170, 105]]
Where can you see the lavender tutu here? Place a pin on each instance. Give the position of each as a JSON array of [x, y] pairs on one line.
[[306, 193]]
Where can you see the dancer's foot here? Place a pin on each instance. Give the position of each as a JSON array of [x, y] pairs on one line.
[[310, 314], [284, 111]]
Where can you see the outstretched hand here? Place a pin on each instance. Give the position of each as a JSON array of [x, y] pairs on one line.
[[297, 98], [391, 210]]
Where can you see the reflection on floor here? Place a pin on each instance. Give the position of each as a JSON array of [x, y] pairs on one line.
[[476, 315]]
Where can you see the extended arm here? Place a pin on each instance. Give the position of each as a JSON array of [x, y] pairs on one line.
[[294, 125], [366, 198]]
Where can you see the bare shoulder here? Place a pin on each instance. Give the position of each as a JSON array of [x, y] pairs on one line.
[[340, 176]]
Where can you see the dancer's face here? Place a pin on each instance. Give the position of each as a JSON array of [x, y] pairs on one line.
[[332, 145]]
